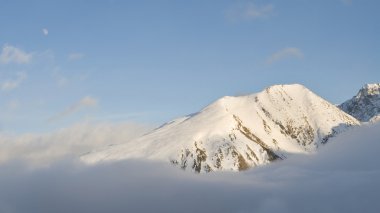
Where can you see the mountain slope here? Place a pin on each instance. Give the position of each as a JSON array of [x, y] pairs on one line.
[[365, 106], [235, 133]]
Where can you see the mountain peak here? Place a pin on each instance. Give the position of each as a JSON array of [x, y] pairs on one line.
[[235, 133], [365, 105], [370, 89], [286, 87], [226, 102]]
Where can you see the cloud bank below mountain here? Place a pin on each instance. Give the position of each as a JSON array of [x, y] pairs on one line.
[[342, 177]]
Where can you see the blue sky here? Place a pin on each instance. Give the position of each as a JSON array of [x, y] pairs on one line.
[[63, 62]]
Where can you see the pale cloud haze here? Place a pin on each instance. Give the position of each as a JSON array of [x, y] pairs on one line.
[[348, 2], [75, 56], [249, 10], [13, 104], [85, 102], [253, 11], [14, 83]]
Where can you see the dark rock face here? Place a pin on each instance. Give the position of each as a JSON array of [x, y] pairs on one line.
[[365, 106]]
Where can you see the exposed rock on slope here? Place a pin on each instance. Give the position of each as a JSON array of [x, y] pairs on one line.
[[236, 133], [365, 106]]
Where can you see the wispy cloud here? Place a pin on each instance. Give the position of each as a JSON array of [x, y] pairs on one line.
[[62, 81], [59, 77], [249, 11], [11, 54], [290, 52], [12, 84], [45, 31], [13, 104], [85, 102], [75, 56]]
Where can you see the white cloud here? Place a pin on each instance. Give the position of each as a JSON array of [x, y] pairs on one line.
[[45, 31], [75, 56], [342, 177], [10, 54], [249, 11], [12, 84], [290, 52], [39, 150], [85, 102]]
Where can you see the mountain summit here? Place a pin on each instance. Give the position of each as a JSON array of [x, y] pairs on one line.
[[365, 106], [236, 133]]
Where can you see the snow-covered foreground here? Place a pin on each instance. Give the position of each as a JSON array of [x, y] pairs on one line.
[[342, 177]]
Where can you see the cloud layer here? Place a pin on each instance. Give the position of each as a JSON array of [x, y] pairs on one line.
[[38, 150], [342, 177]]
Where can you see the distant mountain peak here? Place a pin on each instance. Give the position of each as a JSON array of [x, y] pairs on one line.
[[370, 89], [365, 106]]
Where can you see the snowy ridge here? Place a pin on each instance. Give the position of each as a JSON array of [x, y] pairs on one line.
[[236, 133], [365, 106]]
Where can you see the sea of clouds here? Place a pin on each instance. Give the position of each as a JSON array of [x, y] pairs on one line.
[[342, 177]]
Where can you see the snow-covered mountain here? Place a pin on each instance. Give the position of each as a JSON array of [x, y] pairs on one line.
[[235, 133], [365, 106]]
